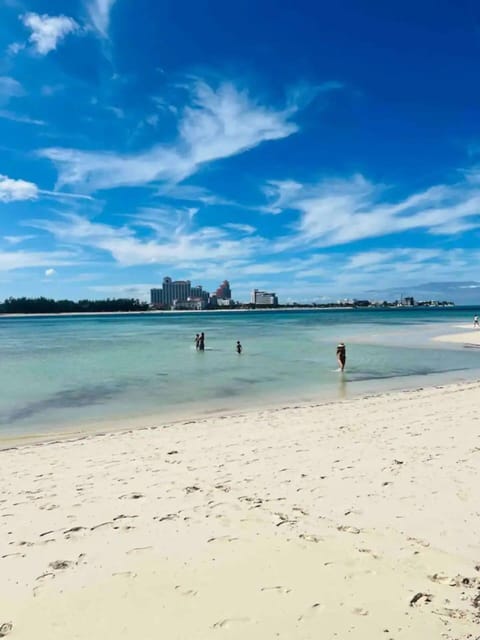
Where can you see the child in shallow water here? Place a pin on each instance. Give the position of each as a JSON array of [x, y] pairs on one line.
[[239, 347]]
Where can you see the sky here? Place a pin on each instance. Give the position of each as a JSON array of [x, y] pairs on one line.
[[318, 150]]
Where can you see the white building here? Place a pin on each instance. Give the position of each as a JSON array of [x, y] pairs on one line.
[[223, 302], [192, 304], [263, 299]]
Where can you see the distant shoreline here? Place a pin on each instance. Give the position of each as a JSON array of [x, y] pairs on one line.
[[165, 312], [225, 311]]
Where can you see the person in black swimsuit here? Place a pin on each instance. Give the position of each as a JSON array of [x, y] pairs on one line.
[[341, 355], [239, 347], [201, 342]]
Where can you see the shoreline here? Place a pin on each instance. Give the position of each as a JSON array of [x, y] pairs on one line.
[[354, 517], [240, 310], [200, 413], [165, 312], [340, 390]]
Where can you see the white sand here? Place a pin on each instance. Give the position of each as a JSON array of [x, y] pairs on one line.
[[302, 523], [469, 336]]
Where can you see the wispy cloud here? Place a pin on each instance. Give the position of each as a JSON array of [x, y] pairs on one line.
[[170, 241], [12, 190], [99, 12], [18, 117], [10, 88], [218, 123], [47, 31], [242, 228], [336, 212], [12, 260], [13, 240]]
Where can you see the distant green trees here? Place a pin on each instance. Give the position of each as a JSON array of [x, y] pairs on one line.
[[47, 305]]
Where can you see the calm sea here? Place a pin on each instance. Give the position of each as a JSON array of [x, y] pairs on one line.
[[76, 372]]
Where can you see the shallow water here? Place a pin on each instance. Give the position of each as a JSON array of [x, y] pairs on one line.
[[61, 371]]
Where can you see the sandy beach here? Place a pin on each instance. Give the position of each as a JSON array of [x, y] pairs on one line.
[[351, 519], [468, 336]]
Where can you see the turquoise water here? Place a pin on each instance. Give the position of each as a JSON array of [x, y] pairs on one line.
[[59, 372]]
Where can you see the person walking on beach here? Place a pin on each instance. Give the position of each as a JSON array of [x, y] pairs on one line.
[[341, 355], [476, 325], [239, 347], [201, 342]]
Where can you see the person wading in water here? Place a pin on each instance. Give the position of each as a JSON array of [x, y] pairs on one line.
[[341, 355]]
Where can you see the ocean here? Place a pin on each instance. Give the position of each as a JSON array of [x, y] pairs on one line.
[[66, 373]]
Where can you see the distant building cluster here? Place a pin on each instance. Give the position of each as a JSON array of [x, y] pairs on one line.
[[407, 301], [180, 295]]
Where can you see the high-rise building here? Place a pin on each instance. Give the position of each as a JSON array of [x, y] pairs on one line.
[[176, 291], [264, 299], [224, 292]]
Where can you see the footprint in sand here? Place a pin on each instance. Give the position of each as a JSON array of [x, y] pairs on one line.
[[358, 611], [222, 539], [311, 612], [5, 628], [139, 549], [277, 589], [310, 537], [348, 529], [188, 592], [58, 565], [442, 579], [225, 624]]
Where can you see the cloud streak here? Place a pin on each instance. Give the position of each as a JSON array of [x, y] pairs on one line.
[[218, 123], [337, 212], [99, 12]]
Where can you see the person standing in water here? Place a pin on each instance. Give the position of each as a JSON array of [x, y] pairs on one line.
[[341, 355], [201, 342], [197, 341], [238, 347]]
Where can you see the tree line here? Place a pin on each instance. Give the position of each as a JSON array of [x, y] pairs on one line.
[[47, 305]]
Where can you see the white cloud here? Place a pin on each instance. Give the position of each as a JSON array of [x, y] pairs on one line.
[[50, 272], [117, 112], [217, 124], [48, 31], [336, 212], [15, 48], [17, 117], [17, 239], [243, 228], [12, 190], [12, 260], [99, 12], [170, 241], [10, 88]]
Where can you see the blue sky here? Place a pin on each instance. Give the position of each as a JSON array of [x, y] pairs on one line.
[[320, 150]]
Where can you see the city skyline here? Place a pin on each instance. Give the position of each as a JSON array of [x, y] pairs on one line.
[[287, 146]]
